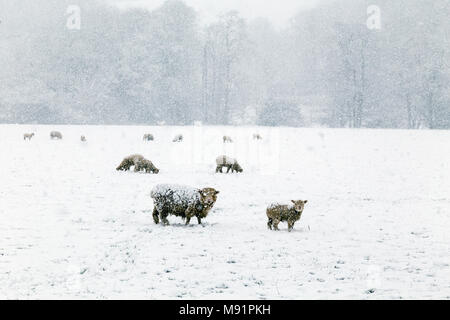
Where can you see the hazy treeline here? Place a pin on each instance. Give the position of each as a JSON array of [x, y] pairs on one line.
[[163, 66]]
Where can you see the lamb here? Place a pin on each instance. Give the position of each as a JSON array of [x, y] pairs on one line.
[[257, 136], [182, 201], [55, 135], [227, 139], [229, 163], [178, 138], [147, 165], [281, 212], [148, 137], [129, 161], [28, 136]]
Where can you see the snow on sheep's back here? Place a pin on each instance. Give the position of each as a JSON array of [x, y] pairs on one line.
[[376, 222]]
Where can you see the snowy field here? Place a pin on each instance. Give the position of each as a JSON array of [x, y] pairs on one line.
[[376, 225]]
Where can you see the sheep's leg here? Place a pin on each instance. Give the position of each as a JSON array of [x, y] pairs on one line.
[[269, 223], [275, 224], [199, 220], [155, 216], [165, 221], [190, 212], [290, 226], [218, 168], [163, 216], [228, 169]]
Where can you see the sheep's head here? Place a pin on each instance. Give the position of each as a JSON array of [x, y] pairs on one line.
[[237, 167], [208, 196], [299, 205]]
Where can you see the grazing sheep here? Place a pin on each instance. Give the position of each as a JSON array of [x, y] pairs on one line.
[[178, 138], [257, 136], [55, 135], [28, 136], [229, 163], [290, 213], [129, 161], [83, 139], [227, 139], [182, 201], [147, 165], [148, 137]]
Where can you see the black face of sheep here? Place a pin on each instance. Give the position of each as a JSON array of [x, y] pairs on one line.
[[236, 167]]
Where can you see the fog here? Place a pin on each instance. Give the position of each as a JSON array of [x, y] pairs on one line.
[[349, 64]]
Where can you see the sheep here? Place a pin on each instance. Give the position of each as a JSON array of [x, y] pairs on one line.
[[178, 138], [282, 212], [257, 136], [147, 165], [227, 139], [28, 136], [229, 163], [182, 201], [83, 139], [55, 135], [148, 137], [129, 161]]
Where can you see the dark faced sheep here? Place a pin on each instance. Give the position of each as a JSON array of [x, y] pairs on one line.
[[147, 165], [130, 161], [280, 212], [229, 163], [55, 135], [28, 136], [182, 201]]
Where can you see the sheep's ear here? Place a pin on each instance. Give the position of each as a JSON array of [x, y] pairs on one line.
[[293, 201], [217, 192], [306, 201]]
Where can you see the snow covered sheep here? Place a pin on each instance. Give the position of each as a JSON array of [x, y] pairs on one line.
[[129, 161], [83, 139], [148, 137], [282, 212], [229, 163], [144, 164], [227, 139], [178, 138], [182, 201], [28, 136], [55, 135]]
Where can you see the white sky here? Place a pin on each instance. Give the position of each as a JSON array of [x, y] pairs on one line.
[[277, 11]]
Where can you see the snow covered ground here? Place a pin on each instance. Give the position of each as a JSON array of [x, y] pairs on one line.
[[376, 225]]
